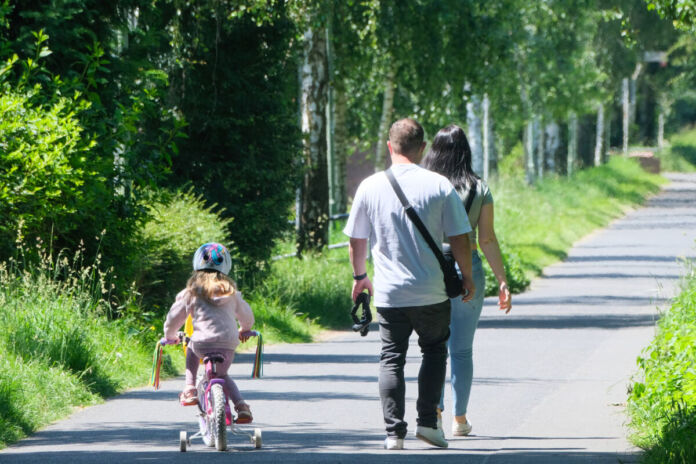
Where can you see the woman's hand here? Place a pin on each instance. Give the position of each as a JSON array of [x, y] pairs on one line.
[[244, 335], [504, 298]]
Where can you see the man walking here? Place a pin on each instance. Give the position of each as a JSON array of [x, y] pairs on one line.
[[409, 291]]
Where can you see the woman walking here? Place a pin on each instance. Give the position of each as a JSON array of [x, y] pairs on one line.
[[450, 155]]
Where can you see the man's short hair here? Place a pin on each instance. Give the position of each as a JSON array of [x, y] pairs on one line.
[[406, 136]]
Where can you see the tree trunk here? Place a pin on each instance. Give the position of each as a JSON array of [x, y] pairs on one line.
[[572, 143], [342, 151], [553, 145], [599, 139], [528, 142], [314, 191], [625, 98], [486, 133], [475, 135], [539, 138], [385, 120]]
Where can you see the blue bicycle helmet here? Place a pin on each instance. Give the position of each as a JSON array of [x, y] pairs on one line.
[[212, 256]]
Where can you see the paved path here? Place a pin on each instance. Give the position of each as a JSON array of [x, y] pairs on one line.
[[550, 381]]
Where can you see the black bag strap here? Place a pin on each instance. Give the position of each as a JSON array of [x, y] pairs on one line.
[[413, 216], [470, 198]]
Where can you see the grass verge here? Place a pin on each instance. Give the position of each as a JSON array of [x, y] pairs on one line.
[[680, 154], [662, 405]]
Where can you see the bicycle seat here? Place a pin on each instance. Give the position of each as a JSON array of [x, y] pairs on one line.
[[213, 357]]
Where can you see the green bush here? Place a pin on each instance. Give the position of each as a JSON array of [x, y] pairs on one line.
[[662, 403], [47, 184], [177, 225]]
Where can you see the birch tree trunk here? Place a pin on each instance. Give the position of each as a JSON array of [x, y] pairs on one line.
[[528, 142], [553, 145], [599, 139], [625, 100], [661, 121], [486, 132], [572, 143], [539, 145], [314, 191], [475, 134], [385, 119], [342, 151]]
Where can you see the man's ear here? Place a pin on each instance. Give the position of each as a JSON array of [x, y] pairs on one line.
[[390, 147]]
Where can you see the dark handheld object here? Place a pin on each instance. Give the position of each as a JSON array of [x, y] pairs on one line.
[[362, 325]]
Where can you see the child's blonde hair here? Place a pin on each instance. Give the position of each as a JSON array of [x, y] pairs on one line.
[[210, 284]]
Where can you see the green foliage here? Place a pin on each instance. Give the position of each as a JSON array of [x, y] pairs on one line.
[[662, 403], [540, 223], [682, 12], [314, 286], [46, 180], [57, 347], [176, 226], [680, 154], [237, 94]]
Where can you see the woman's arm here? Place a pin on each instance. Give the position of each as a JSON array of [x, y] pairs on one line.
[[488, 243]]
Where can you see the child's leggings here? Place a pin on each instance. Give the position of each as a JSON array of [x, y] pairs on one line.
[[193, 361]]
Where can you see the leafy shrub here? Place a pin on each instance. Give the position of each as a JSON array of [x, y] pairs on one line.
[[680, 154], [662, 404], [46, 184], [177, 225]]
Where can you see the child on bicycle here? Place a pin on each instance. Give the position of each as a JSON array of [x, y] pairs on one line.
[[216, 308]]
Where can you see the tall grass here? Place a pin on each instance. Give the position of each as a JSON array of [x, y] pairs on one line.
[[539, 223], [662, 403], [680, 154], [57, 346]]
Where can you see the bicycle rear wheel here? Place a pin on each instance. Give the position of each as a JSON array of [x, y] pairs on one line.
[[220, 426]]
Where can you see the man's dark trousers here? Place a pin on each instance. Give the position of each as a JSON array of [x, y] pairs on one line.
[[431, 323]]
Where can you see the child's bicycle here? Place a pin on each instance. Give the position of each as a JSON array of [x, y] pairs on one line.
[[214, 411]]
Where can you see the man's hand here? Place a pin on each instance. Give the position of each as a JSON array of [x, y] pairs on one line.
[[360, 285], [468, 289]]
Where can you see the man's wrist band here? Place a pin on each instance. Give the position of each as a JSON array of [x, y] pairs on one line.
[[359, 277]]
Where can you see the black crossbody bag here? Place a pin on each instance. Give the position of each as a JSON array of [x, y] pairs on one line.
[[453, 283]]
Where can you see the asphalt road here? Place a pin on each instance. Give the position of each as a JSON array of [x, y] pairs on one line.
[[550, 378]]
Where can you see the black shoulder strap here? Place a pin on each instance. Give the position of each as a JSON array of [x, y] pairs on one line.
[[413, 216], [470, 198]]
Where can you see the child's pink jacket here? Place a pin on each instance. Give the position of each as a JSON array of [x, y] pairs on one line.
[[214, 322]]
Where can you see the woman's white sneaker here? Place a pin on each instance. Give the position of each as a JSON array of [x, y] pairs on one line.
[[461, 429], [393, 443]]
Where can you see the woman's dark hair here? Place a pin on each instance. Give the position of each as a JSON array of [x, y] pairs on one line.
[[450, 155]]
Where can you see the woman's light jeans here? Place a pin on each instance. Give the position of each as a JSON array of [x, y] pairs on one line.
[[463, 323]]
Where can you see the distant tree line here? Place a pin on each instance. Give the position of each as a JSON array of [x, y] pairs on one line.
[[257, 104]]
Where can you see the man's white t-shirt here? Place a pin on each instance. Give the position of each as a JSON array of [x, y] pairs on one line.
[[406, 270]]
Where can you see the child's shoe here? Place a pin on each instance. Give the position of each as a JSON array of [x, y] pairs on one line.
[[243, 413], [188, 397]]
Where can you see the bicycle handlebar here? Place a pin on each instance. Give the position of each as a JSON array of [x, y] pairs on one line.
[[181, 337]]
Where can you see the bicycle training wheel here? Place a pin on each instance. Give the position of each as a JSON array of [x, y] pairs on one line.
[[220, 426]]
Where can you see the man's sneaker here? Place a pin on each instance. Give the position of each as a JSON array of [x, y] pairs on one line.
[[393, 443], [435, 437], [459, 429]]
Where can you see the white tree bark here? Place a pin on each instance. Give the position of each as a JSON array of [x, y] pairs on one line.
[[599, 139], [626, 106], [486, 132], [572, 143], [528, 142], [314, 204], [539, 146], [475, 133], [553, 144], [385, 119]]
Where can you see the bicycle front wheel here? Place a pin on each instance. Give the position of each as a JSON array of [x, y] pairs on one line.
[[219, 425]]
